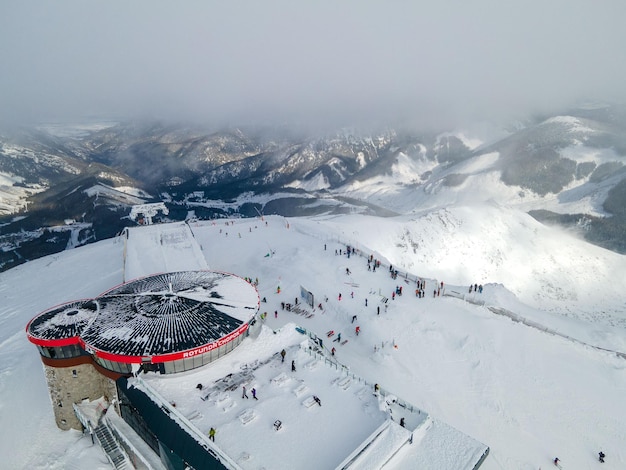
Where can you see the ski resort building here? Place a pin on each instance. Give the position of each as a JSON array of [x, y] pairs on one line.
[[167, 323], [137, 368]]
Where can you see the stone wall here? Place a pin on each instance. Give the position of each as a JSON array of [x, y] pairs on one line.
[[73, 384]]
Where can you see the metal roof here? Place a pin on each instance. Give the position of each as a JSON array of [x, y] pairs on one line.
[[163, 317]]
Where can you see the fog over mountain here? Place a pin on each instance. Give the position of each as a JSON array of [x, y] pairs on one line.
[[307, 64], [473, 142], [63, 186], [329, 107]]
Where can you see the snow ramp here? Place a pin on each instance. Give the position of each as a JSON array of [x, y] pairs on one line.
[[438, 446], [161, 248], [432, 446], [378, 449]]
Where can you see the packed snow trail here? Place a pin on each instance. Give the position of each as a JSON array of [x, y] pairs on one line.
[[161, 248]]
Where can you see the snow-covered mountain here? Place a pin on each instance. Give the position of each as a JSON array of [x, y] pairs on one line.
[[565, 169], [549, 383]]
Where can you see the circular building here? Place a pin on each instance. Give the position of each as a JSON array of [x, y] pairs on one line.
[[169, 322]]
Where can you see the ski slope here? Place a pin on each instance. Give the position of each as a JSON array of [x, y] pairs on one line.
[[161, 248]]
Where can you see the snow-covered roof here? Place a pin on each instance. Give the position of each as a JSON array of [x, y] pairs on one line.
[[62, 324], [161, 317], [353, 426]]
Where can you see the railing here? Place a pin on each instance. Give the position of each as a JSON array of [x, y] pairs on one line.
[[472, 299], [519, 319], [333, 363], [125, 232], [116, 455], [482, 459], [113, 451], [124, 440], [356, 453], [188, 426]]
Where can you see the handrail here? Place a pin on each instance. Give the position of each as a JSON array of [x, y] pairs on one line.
[[187, 425], [339, 366]]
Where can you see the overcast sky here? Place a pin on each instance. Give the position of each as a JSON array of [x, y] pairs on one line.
[[318, 61]]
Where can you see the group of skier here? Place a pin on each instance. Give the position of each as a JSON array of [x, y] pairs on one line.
[[601, 457], [477, 288], [372, 264], [245, 395]]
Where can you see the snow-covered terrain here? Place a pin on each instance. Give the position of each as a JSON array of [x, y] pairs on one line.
[[13, 195], [551, 387]]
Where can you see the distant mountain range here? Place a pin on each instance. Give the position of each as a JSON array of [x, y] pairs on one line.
[[66, 185]]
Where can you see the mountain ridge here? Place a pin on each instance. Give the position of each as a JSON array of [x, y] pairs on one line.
[[565, 169]]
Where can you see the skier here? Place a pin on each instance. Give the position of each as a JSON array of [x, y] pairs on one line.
[[254, 394], [293, 366], [212, 434], [244, 394], [317, 400], [556, 461], [332, 351], [338, 338], [282, 355], [601, 456], [402, 422], [357, 330]]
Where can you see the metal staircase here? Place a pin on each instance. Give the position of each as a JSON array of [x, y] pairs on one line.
[[109, 444], [114, 452]]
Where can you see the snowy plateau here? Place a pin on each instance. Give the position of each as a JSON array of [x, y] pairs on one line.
[[534, 366]]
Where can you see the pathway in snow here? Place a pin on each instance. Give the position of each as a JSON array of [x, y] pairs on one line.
[[525, 321], [448, 291], [161, 248]]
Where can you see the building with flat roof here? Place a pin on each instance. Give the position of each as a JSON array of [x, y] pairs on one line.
[[136, 367], [167, 323]]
